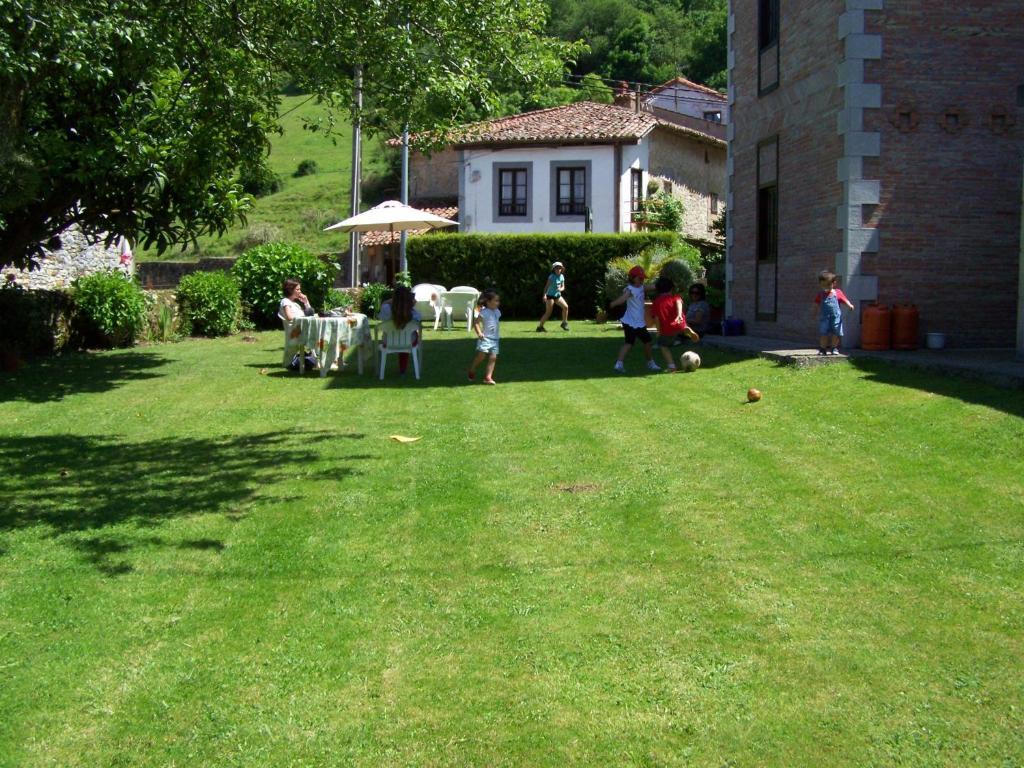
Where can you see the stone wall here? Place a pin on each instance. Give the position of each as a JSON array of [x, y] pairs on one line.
[[75, 258], [696, 170]]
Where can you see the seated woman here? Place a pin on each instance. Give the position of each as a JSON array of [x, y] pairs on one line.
[[698, 311], [400, 309], [293, 306]]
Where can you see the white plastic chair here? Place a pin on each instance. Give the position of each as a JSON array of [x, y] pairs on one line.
[[459, 304], [428, 301], [395, 340]]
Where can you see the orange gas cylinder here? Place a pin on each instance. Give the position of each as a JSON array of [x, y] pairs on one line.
[[904, 327], [874, 327]]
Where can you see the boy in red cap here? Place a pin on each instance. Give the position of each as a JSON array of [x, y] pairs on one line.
[[634, 326]]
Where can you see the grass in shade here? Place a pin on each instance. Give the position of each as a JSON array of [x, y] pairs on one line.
[[205, 560], [306, 204]]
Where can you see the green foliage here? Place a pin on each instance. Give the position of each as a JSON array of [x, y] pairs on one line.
[[261, 271], [661, 211], [163, 327], [337, 299], [135, 117], [593, 88], [111, 308], [34, 323], [371, 296], [517, 265], [259, 181], [649, 42], [679, 272], [210, 302], [259, 233], [307, 168]]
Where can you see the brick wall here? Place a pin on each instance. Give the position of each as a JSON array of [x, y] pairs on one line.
[[802, 112], [949, 214]]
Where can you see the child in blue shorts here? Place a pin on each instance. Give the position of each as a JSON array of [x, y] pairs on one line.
[[485, 325], [830, 301]]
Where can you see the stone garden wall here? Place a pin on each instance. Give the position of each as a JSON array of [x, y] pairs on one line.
[[75, 258]]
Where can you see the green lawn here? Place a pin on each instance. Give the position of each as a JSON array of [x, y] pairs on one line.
[[207, 562], [307, 204]]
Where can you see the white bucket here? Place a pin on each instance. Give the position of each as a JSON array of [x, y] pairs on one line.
[[935, 340]]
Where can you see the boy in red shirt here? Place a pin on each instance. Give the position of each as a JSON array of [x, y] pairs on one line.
[[668, 311]]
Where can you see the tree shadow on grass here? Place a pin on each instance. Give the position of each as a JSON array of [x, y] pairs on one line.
[[81, 486], [959, 387], [51, 379]]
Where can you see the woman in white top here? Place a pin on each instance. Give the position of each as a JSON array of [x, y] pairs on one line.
[[294, 304], [634, 325]]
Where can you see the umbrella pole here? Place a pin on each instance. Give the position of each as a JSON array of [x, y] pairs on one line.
[[357, 84], [402, 265]]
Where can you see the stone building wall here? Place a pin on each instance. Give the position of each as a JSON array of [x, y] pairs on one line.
[[434, 177], [75, 258], [696, 170]]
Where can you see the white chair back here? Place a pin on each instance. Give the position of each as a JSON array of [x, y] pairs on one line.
[[397, 340], [461, 302]]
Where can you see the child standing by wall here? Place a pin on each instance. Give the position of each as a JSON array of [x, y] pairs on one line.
[[553, 290], [485, 325], [668, 311], [633, 324], [830, 313]]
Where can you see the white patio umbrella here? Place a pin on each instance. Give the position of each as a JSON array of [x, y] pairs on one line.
[[391, 216]]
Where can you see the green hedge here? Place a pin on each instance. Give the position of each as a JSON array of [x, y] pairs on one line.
[[210, 302], [36, 323], [516, 266]]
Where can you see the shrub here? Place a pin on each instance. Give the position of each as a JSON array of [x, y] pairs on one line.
[[110, 307], [517, 265], [661, 211], [371, 296], [259, 181], [210, 302], [306, 168], [162, 315], [679, 272], [35, 322], [262, 270], [339, 299]]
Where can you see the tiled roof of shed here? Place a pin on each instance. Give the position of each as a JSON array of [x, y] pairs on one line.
[[384, 238]]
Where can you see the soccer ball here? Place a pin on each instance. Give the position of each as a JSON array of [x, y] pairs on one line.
[[689, 361], [753, 395]]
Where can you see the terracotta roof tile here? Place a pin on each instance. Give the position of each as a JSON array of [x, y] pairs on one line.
[[384, 238], [581, 123]]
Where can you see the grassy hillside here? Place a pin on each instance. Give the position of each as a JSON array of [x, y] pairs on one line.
[[306, 204]]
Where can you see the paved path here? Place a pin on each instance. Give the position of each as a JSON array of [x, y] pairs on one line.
[[1001, 367]]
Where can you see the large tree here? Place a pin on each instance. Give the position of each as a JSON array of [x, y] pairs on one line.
[[134, 116]]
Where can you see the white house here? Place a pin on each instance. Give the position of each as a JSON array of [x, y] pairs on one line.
[[552, 169], [685, 97]]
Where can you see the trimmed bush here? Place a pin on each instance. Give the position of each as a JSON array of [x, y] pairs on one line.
[[210, 302], [262, 270], [110, 307], [306, 168], [517, 265]]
